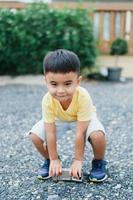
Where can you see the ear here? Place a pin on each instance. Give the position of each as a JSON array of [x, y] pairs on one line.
[[79, 79]]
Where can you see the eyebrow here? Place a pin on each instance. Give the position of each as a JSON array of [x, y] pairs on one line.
[[69, 81]]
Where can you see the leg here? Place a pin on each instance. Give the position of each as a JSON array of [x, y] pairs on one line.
[[98, 142], [39, 144], [98, 171], [96, 136], [37, 134]]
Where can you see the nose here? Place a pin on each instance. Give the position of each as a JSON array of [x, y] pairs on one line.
[[60, 90]]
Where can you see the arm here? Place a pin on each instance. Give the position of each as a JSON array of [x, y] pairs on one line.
[[76, 167], [80, 140], [51, 140], [55, 164]]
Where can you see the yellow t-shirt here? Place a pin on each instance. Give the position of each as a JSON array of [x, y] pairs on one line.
[[80, 108]]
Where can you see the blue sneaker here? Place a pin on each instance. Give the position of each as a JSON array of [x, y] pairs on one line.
[[98, 172], [43, 172]]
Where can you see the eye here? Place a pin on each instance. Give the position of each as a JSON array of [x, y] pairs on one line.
[[54, 84], [68, 83]]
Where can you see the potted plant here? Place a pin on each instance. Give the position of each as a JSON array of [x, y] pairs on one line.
[[119, 47]]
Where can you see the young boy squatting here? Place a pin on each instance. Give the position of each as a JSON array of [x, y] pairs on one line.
[[67, 101]]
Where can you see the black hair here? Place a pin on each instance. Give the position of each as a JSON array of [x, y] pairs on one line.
[[61, 61]]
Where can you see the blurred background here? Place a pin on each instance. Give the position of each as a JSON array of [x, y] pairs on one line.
[[100, 32]]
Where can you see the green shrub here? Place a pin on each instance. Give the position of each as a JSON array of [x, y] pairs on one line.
[[7, 20], [119, 47], [26, 36]]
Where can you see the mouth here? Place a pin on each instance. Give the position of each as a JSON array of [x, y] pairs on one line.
[[60, 96]]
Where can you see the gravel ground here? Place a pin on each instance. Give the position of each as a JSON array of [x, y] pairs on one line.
[[20, 108]]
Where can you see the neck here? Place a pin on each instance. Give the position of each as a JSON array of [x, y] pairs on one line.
[[66, 104]]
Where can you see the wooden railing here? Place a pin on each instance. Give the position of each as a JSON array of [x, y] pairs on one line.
[[12, 5], [111, 20]]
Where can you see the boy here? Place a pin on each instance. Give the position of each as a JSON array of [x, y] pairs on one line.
[[67, 101]]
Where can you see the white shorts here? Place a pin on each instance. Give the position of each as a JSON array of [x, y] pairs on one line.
[[95, 125]]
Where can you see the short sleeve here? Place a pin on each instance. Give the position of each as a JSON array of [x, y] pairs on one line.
[[47, 110], [85, 108]]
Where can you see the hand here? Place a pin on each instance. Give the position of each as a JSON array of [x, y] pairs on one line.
[[75, 170], [55, 168]]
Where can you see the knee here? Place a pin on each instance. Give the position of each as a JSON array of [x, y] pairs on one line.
[[35, 139], [97, 136]]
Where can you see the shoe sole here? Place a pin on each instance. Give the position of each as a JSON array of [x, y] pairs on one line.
[[43, 178], [98, 181]]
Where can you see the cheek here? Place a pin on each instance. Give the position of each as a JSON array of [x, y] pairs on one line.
[[72, 89], [51, 89]]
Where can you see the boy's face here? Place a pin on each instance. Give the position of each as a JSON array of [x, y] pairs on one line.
[[62, 86]]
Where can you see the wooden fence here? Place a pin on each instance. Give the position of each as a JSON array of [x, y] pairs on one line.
[[111, 20]]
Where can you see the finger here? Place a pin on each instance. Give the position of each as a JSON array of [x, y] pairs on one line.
[[79, 173], [60, 170], [75, 174], [53, 172], [50, 172], [56, 172]]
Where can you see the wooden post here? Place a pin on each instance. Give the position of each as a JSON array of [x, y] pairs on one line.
[[101, 27], [112, 26], [131, 36], [13, 5], [122, 31]]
